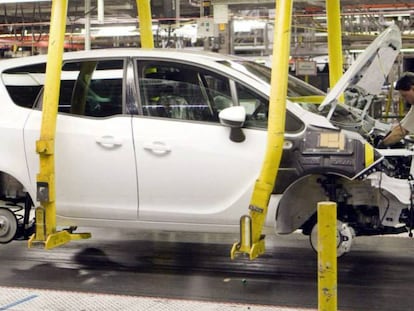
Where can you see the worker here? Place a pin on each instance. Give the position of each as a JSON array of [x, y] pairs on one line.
[[405, 85]]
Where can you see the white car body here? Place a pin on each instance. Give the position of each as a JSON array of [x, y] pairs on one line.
[[139, 144], [105, 169]]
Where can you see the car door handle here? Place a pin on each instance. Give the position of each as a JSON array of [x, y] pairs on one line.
[[157, 147], [108, 141]]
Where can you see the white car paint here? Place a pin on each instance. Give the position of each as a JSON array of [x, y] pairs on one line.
[[99, 178], [138, 170], [94, 159]]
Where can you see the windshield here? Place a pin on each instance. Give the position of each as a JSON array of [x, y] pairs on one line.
[[296, 87], [356, 113], [347, 116]]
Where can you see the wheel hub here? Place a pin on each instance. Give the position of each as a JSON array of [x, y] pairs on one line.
[[4, 226], [8, 225], [344, 237]]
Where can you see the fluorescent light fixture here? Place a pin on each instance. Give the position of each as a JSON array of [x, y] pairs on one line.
[[114, 31]]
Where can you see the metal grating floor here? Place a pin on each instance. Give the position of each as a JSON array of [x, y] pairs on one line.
[[23, 299]]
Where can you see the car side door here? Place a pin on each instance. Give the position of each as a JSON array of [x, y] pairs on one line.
[[94, 154], [189, 171]]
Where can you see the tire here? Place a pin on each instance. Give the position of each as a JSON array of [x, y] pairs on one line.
[[344, 236], [8, 225]]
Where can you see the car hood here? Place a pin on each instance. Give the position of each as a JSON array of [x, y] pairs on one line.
[[366, 76]]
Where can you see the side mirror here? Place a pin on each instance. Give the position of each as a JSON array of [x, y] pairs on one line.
[[234, 118]]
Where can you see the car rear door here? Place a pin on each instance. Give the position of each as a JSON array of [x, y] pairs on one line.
[[95, 163]]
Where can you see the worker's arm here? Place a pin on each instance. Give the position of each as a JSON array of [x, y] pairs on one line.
[[396, 134]]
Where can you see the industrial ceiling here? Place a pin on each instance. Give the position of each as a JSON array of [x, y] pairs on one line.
[[20, 18]]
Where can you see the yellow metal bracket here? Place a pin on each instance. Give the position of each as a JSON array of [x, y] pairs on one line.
[[252, 241], [59, 238], [45, 147], [246, 244]]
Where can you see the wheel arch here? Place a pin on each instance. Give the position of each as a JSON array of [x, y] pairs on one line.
[[299, 202], [12, 187]]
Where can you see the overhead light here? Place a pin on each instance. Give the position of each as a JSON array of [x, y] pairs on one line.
[[356, 51], [114, 31]]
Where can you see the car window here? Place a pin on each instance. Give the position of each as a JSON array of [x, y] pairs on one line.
[[24, 83], [257, 107], [90, 88], [178, 91], [296, 87], [257, 110]]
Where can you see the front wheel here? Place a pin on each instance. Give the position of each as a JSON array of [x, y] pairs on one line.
[[344, 237], [8, 225]]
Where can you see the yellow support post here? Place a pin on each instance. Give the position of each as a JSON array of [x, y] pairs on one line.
[[45, 146], [251, 238], [333, 12], [327, 259], [145, 23]]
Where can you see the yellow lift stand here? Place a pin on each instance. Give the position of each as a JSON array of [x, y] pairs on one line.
[[46, 232], [251, 238], [46, 213]]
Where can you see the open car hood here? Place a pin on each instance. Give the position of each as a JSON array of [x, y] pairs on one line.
[[363, 80]]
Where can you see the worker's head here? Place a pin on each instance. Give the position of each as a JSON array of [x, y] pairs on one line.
[[405, 85]]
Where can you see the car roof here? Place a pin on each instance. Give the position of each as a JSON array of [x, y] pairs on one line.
[[192, 55], [197, 56]]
